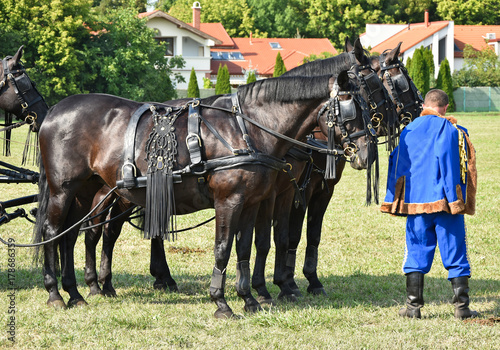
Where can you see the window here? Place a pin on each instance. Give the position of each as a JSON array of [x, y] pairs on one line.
[[226, 55], [275, 45], [169, 45]]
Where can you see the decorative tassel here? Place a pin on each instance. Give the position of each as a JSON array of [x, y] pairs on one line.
[[8, 133], [372, 174], [159, 214], [331, 159], [31, 149]]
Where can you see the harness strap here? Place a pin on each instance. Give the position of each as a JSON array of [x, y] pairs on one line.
[[193, 139], [240, 121], [128, 167]]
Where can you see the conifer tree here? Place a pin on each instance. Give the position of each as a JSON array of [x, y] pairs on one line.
[[420, 71], [222, 85], [193, 89], [445, 83], [251, 77], [279, 66]]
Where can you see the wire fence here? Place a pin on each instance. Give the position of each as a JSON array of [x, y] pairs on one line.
[[477, 99]]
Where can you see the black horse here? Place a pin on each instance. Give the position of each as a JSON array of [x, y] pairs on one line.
[[18, 93], [78, 158], [385, 116]]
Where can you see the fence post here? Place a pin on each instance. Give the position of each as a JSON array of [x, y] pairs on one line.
[[463, 89], [489, 99]]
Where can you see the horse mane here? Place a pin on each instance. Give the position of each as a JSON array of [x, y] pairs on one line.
[[328, 65], [286, 89]]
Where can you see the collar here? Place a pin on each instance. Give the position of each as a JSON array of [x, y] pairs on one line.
[[431, 111]]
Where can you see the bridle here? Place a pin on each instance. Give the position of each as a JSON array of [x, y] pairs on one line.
[[24, 88], [338, 113], [400, 84]]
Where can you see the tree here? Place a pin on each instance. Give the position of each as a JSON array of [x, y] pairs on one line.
[[193, 89], [314, 57], [445, 83], [128, 61], [420, 71], [222, 85], [469, 11], [251, 77], [279, 66], [238, 23], [71, 49], [481, 68]]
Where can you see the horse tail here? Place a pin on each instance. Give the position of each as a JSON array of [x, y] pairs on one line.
[[41, 214]]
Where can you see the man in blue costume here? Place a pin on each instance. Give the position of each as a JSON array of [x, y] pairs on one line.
[[432, 180]]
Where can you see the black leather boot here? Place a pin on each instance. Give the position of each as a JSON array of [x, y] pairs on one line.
[[414, 295], [461, 299]]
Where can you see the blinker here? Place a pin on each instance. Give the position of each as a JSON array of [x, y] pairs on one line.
[[347, 110], [23, 83]]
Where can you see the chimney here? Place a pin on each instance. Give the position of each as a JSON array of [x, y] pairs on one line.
[[251, 38], [196, 14], [426, 18]]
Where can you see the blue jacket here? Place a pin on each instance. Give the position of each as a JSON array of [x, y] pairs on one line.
[[425, 173]]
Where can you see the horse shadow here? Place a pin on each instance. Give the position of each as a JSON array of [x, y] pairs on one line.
[[343, 291]]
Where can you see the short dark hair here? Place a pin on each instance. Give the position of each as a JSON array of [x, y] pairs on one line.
[[437, 98]]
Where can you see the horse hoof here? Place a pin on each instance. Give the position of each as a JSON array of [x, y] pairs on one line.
[[317, 291], [173, 288], [109, 293], [297, 293], [253, 308], [223, 314], [57, 304], [288, 297], [77, 303], [266, 300]]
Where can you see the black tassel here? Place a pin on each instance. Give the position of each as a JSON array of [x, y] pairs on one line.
[[331, 170], [159, 214], [8, 133], [31, 148], [372, 174]]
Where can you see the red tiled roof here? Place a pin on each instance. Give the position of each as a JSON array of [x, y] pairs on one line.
[[474, 35], [260, 56], [410, 36], [179, 23], [218, 31]]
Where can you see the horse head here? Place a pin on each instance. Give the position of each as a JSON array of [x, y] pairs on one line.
[[347, 122], [18, 94], [404, 93], [382, 110]]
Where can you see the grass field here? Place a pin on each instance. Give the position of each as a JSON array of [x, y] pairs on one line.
[[360, 266]]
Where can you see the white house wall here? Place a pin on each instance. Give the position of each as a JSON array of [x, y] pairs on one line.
[[195, 50], [377, 33], [433, 41]]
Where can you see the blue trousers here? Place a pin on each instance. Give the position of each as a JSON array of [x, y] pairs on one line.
[[424, 231]]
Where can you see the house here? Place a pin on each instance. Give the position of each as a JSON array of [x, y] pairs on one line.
[[183, 40], [205, 46], [444, 38]]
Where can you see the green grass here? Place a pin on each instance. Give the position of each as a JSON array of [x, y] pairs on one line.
[[360, 265]]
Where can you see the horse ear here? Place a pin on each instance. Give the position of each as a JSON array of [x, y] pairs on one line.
[[347, 45], [343, 79], [394, 54], [19, 54], [359, 52]]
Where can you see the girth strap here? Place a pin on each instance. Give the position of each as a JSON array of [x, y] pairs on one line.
[[128, 167]]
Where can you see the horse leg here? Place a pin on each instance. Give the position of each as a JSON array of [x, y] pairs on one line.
[[111, 232], [281, 242], [316, 212], [159, 267], [92, 237], [262, 245], [227, 215], [296, 219], [244, 238]]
